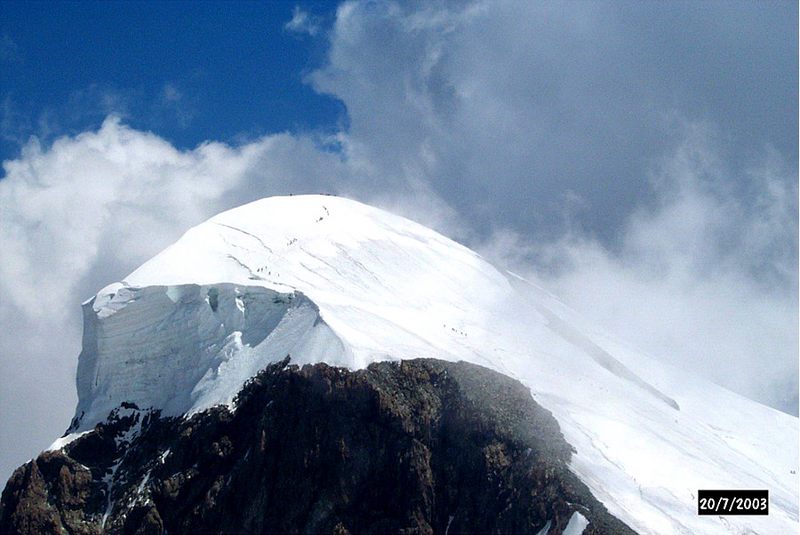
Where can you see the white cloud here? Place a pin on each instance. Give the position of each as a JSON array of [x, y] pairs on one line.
[[699, 279], [175, 103], [303, 22]]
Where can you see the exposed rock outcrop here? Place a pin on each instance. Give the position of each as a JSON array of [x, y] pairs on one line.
[[421, 446]]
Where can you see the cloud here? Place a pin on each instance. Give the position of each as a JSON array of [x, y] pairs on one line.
[[169, 105], [9, 50], [700, 279], [14, 125], [303, 23], [512, 112], [175, 103]]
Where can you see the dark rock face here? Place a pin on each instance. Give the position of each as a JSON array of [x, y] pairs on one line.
[[422, 446]]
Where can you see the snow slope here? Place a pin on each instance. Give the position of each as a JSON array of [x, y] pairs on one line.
[[329, 279]]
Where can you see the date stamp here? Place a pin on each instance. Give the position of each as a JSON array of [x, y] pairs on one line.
[[733, 502]]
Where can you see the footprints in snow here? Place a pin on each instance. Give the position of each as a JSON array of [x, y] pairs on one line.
[[453, 329], [320, 218]]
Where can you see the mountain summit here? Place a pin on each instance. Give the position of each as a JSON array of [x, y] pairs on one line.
[[329, 280]]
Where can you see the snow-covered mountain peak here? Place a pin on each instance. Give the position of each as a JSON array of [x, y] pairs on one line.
[[328, 279], [388, 288], [277, 240]]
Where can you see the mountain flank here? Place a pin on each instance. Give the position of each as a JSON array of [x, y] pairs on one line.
[[412, 447]]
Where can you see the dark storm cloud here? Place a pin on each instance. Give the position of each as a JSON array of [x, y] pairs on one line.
[[518, 112]]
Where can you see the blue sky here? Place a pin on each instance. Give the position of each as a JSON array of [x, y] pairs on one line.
[[639, 159], [189, 71]]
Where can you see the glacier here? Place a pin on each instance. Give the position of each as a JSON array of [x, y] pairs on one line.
[[328, 279]]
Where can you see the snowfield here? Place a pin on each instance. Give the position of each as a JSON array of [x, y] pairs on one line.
[[329, 279]]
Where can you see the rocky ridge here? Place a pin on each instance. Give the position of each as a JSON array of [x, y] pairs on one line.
[[419, 446]]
